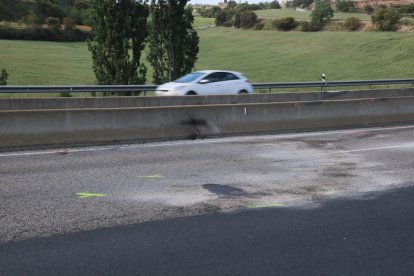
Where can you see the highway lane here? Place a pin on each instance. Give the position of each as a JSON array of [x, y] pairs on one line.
[[366, 235], [56, 192]]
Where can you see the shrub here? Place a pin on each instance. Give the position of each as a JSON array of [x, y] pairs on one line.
[[53, 23], [352, 24], [285, 24], [267, 24], [259, 26], [247, 19], [42, 34], [304, 26], [69, 23], [334, 26], [368, 9], [224, 18], [386, 19], [210, 12], [409, 8], [310, 26]]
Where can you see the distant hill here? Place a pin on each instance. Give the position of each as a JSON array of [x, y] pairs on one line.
[[16, 10]]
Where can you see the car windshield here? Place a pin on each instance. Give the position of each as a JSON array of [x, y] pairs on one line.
[[189, 77]]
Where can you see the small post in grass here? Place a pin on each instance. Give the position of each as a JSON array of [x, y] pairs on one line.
[[324, 80]]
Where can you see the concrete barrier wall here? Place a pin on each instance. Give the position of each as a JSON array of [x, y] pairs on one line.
[[120, 102], [98, 126]]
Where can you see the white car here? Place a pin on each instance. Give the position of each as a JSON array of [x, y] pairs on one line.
[[208, 82]]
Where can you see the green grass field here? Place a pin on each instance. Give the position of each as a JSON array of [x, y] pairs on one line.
[[305, 15], [200, 22], [263, 56]]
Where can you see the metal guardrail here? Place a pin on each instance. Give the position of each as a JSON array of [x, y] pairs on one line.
[[145, 88], [76, 88], [322, 84]]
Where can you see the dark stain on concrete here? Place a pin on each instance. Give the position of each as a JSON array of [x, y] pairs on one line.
[[195, 122], [199, 128]]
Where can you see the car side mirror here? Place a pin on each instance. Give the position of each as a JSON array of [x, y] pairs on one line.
[[204, 81]]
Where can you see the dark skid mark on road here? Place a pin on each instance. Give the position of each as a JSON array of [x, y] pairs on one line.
[[344, 169], [317, 144], [225, 190]]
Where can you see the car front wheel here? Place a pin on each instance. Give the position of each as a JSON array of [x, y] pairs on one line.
[[191, 93]]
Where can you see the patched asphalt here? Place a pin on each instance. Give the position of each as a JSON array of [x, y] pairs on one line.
[[56, 192]]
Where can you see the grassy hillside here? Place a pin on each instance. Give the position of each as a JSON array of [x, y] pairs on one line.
[[304, 15], [298, 56], [263, 56], [200, 22]]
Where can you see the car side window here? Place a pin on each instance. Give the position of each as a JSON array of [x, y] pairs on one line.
[[221, 76], [230, 76], [213, 77]]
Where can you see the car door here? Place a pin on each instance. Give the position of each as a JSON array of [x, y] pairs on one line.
[[210, 85], [230, 84], [224, 83]]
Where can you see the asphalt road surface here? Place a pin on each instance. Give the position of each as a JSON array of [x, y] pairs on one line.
[[325, 203]]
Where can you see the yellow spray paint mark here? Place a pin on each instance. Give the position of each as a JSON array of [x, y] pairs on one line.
[[85, 195], [155, 176], [266, 205]]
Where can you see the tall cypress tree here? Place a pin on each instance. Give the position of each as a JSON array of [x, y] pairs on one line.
[[121, 30], [3, 77], [173, 43]]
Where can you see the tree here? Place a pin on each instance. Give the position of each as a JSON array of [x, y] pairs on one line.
[[33, 19], [227, 17], [173, 43], [386, 19], [3, 77], [231, 4], [301, 3], [322, 13], [368, 9], [344, 6], [275, 5], [121, 31], [46, 8], [82, 5]]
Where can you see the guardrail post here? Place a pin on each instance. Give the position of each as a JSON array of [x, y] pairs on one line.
[[270, 89]]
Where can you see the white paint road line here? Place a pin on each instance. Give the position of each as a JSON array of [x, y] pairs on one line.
[[221, 140], [53, 152], [410, 145]]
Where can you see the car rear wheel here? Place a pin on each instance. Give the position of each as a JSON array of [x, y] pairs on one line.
[[191, 93], [242, 92]]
